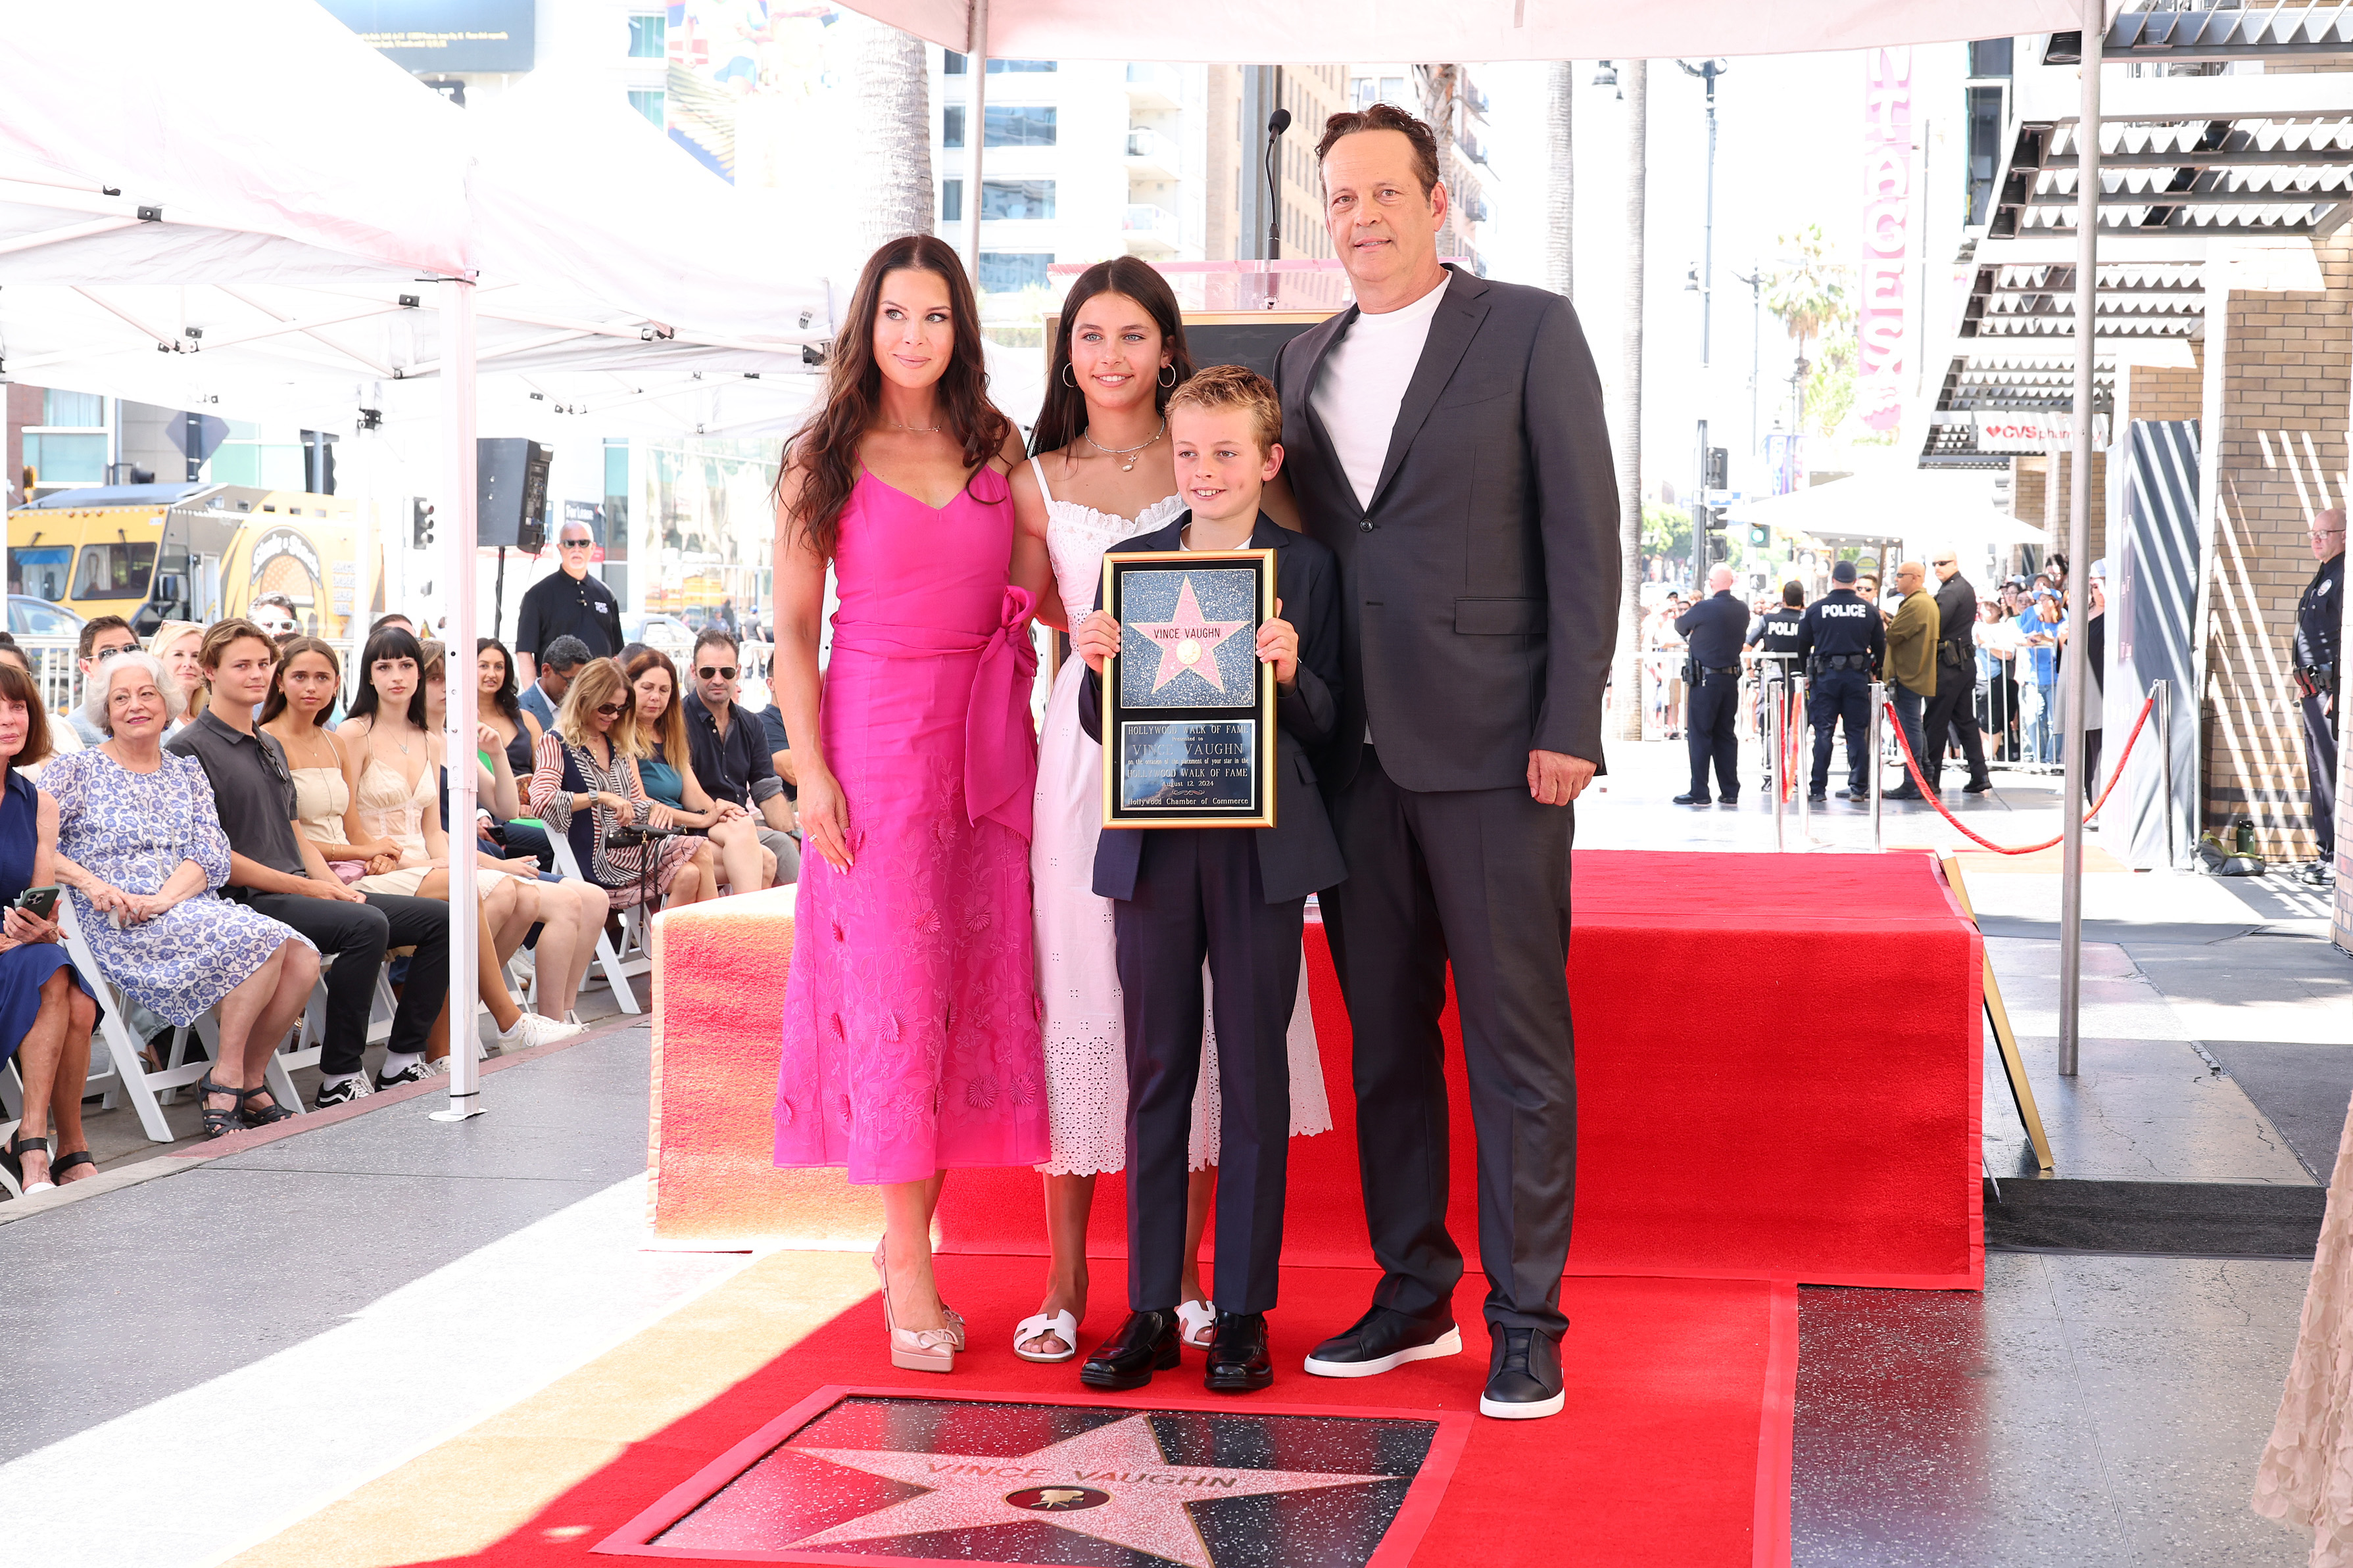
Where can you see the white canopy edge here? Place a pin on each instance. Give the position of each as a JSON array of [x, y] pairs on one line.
[[1339, 31]]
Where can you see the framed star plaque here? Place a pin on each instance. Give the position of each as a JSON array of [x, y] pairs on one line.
[[1188, 708]]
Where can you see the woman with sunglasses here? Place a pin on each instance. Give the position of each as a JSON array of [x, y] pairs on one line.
[[586, 788], [667, 770]]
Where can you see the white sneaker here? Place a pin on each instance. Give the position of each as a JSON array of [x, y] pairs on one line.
[[534, 1029]]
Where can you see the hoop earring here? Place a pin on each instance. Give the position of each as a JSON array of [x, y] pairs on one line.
[[1068, 380], [1172, 376]]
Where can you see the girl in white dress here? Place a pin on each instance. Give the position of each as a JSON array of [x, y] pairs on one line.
[[1104, 472]]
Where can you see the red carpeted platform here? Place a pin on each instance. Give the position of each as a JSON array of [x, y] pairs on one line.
[[1778, 1071], [1673, 1451]]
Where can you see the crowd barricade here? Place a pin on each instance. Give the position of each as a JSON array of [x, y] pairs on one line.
[[634, 957]]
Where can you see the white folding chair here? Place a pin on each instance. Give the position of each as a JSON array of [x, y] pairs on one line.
[[633, 958], [126, 1076], [12, 1116]]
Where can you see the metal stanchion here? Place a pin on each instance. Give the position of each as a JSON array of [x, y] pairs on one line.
[[1878, 706], [1776, 723], [1805, 794], [2161, 692]]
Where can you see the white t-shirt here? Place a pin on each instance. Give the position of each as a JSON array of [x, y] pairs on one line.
[[1364, 381]]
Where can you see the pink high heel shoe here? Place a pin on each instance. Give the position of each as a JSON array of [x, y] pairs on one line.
[[919, 1350]]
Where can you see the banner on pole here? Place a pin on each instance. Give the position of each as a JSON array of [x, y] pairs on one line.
[[1881, 318]]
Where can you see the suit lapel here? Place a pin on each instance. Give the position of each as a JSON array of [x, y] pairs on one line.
[[1451, 328], [1322, 339]]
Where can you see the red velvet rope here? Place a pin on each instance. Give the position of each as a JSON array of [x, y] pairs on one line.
[[1913, 767]]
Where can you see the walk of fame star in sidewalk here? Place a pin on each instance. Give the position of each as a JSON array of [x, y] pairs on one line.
[[977, 1478]]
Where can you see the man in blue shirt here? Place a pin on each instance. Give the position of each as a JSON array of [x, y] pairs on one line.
[[2038, 629]]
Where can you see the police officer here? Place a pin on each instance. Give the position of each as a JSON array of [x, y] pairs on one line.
[[1711, 630], [2319, 613], [1775, 638], [1841, 640]]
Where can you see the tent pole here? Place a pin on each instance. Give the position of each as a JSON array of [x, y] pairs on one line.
[[2079, 538], [975, 133], [457, 521]]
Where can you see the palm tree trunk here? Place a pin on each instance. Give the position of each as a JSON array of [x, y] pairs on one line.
[[1625, 677], [891, 173], [1560, 272], [1438, 87]]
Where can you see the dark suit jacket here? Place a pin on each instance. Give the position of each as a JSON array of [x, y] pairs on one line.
[[1479, 592], [1299, 854]]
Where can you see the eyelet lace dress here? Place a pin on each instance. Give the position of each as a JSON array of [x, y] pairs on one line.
[[2305, 1476], [1078, 969]]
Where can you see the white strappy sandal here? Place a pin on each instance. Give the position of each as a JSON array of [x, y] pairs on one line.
[[1062, 1325], [1197, 1323]]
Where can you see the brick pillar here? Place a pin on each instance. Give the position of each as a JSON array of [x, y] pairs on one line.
[[2283, 457]]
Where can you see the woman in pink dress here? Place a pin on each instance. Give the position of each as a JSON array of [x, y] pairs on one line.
[[911, 1016]]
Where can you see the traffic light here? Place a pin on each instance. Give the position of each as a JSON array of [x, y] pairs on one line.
[[421, 525], [1718, 548], [1719, 468], [1760, 536]]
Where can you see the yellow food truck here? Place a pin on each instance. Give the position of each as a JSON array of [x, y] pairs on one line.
[[194, 553]]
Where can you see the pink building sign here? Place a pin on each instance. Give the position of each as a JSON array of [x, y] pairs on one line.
[[1886, 220]]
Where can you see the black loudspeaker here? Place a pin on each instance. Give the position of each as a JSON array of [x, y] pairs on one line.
[[510, 492]]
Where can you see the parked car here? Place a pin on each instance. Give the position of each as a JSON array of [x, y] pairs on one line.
[[667, 633], [36, 618]]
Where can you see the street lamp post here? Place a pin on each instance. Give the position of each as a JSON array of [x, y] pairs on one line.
[[1755, 278], [1707, 71]]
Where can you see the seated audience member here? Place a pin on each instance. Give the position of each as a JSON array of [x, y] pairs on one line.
[[320, 767], [392, 760], [731, 756], [179, 645], [58, 738], [558, 663], [667, 770], [102, 637], [46, 1007], [498, 711], [140, 851], [274, 614], [586, 788]]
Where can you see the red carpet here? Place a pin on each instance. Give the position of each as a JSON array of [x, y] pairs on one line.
[[1779, 1062], [1674, 1448]]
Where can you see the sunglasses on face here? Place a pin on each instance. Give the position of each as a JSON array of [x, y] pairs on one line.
[[610, 710], [717, 672]]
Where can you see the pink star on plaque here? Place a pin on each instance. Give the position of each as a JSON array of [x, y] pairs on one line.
[[1188, 642], [1112, 1484]]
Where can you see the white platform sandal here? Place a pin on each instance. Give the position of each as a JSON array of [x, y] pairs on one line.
[[1197, 1323], [1062, 1325]]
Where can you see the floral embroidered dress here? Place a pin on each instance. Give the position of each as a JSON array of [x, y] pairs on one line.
[[911, 1034], [132, 831]]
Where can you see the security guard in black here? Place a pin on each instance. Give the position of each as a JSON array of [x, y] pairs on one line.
[[1712, 629], [1841, 642], [2320, 617], [571, 603]]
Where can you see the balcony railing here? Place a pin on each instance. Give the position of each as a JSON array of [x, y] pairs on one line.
[[1149, 225], [1155, 82]]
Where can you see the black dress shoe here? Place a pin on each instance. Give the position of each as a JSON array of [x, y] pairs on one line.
[[1977, 786], [1728, 800], [1906, 792], [1148, 1343], [1523, 1378], [1382, 1341], [1692, 800], [1237, 1358]]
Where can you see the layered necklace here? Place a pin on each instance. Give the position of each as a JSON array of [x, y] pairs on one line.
[[1126, 452]]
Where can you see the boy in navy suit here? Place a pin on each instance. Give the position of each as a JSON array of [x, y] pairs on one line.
[[1236, 896]]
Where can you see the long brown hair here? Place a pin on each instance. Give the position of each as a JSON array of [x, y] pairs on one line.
[[825, 449], [1064, 413], [276, 703], [669, 729]]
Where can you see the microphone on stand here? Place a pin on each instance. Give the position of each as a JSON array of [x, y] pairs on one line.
[[1276, 125]]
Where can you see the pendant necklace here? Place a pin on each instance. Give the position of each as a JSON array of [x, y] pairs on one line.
[[1125, 451], [913, 429]]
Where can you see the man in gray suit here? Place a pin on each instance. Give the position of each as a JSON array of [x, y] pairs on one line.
[[1448, 445]]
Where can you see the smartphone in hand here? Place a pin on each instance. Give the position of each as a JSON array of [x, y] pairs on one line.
[[41, 903]]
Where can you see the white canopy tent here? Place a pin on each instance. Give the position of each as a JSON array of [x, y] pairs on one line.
[[1925, 504], [361, 234]]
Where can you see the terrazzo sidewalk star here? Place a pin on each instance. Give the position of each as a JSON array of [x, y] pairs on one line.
[[1112, 1484]]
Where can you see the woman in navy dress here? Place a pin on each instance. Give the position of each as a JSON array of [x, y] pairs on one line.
[[45, 1008]]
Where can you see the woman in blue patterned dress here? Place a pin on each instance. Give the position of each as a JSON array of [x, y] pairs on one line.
[[140, 850]]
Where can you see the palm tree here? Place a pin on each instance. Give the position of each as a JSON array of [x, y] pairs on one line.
[[1625, 676], [1439, 85], [891, 173], [1810, 292], [1560, 272]]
